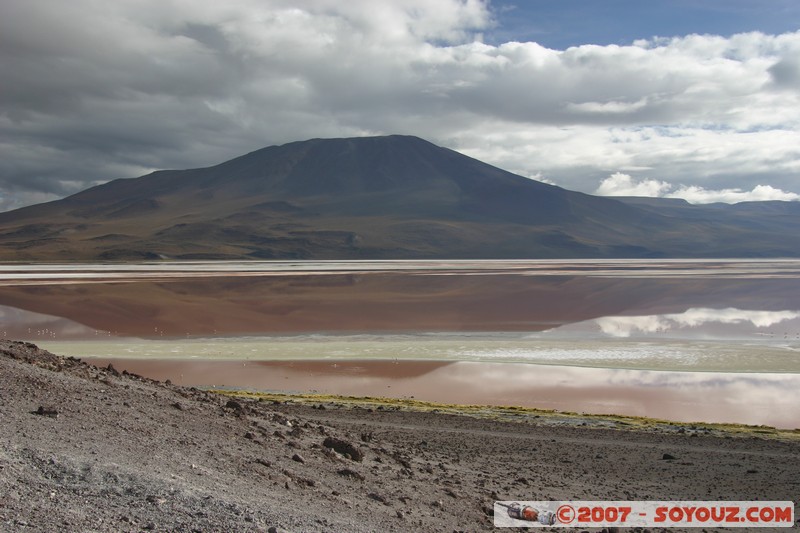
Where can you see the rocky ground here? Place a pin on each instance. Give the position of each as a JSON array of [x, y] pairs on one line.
[[90, 449]]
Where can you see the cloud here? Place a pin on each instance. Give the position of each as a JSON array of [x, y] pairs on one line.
[[699, 195], [619, 184], [625, 326], [116, 89]]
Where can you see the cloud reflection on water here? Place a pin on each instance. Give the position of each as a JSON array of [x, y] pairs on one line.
[[769, 399], [626, 326]]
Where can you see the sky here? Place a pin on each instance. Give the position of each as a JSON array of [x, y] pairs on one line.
[[693, 99]]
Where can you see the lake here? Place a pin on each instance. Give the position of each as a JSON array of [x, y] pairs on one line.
[[681, 339]]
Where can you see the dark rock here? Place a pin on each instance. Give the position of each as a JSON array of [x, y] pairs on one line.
[[378, 498], [346, 472], [299, 458], [46, 411], [233, 404], [668, 457], [344, 447]]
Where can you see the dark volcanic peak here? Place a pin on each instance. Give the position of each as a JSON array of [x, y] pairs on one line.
[[378, 175], [356, 165], [376, 197], [370, 164]]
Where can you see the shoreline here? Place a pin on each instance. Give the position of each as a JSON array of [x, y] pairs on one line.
[[518, 414], [670, 355], [684, 397], [99, 449]]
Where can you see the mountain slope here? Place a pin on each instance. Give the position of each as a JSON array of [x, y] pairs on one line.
[[374, 197]]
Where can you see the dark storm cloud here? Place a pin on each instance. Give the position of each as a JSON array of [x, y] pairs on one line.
[[98, 90]]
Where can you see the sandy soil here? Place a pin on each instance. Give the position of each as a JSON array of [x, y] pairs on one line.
[[90, 449]]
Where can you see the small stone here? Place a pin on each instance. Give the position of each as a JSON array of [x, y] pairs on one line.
[[345, 448], [233, 404], [299, 458], [346, 472], [378, 498], [668, 457], [52, 412]]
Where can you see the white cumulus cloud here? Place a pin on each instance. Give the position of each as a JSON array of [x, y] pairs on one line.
[[115, 89], [698, 195], [619, 184]]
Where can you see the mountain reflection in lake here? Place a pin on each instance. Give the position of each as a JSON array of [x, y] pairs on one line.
[[721, 316], [768, 399], [218, 299]]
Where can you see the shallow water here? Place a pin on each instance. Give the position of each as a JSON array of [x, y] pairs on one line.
[[740, 317], [759, 399], [693, 355]]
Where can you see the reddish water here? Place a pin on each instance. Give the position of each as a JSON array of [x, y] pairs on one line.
[[769, 399]]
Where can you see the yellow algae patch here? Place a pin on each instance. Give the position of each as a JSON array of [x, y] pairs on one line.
[[526, 414]]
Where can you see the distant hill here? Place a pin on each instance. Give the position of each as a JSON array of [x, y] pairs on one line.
[[378, 197]]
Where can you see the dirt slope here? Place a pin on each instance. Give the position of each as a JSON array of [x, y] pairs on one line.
[[111, 452]]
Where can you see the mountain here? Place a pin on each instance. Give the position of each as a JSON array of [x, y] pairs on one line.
[[376, 197]]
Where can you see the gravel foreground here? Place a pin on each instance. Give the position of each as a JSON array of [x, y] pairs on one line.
[[90, 449]]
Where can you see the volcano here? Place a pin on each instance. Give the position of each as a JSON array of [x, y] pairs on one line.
[[392, 197]]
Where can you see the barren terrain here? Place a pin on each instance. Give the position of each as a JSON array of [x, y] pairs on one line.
[[90, 449]]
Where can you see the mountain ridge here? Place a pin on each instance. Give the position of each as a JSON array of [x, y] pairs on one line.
[[388, 197]]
